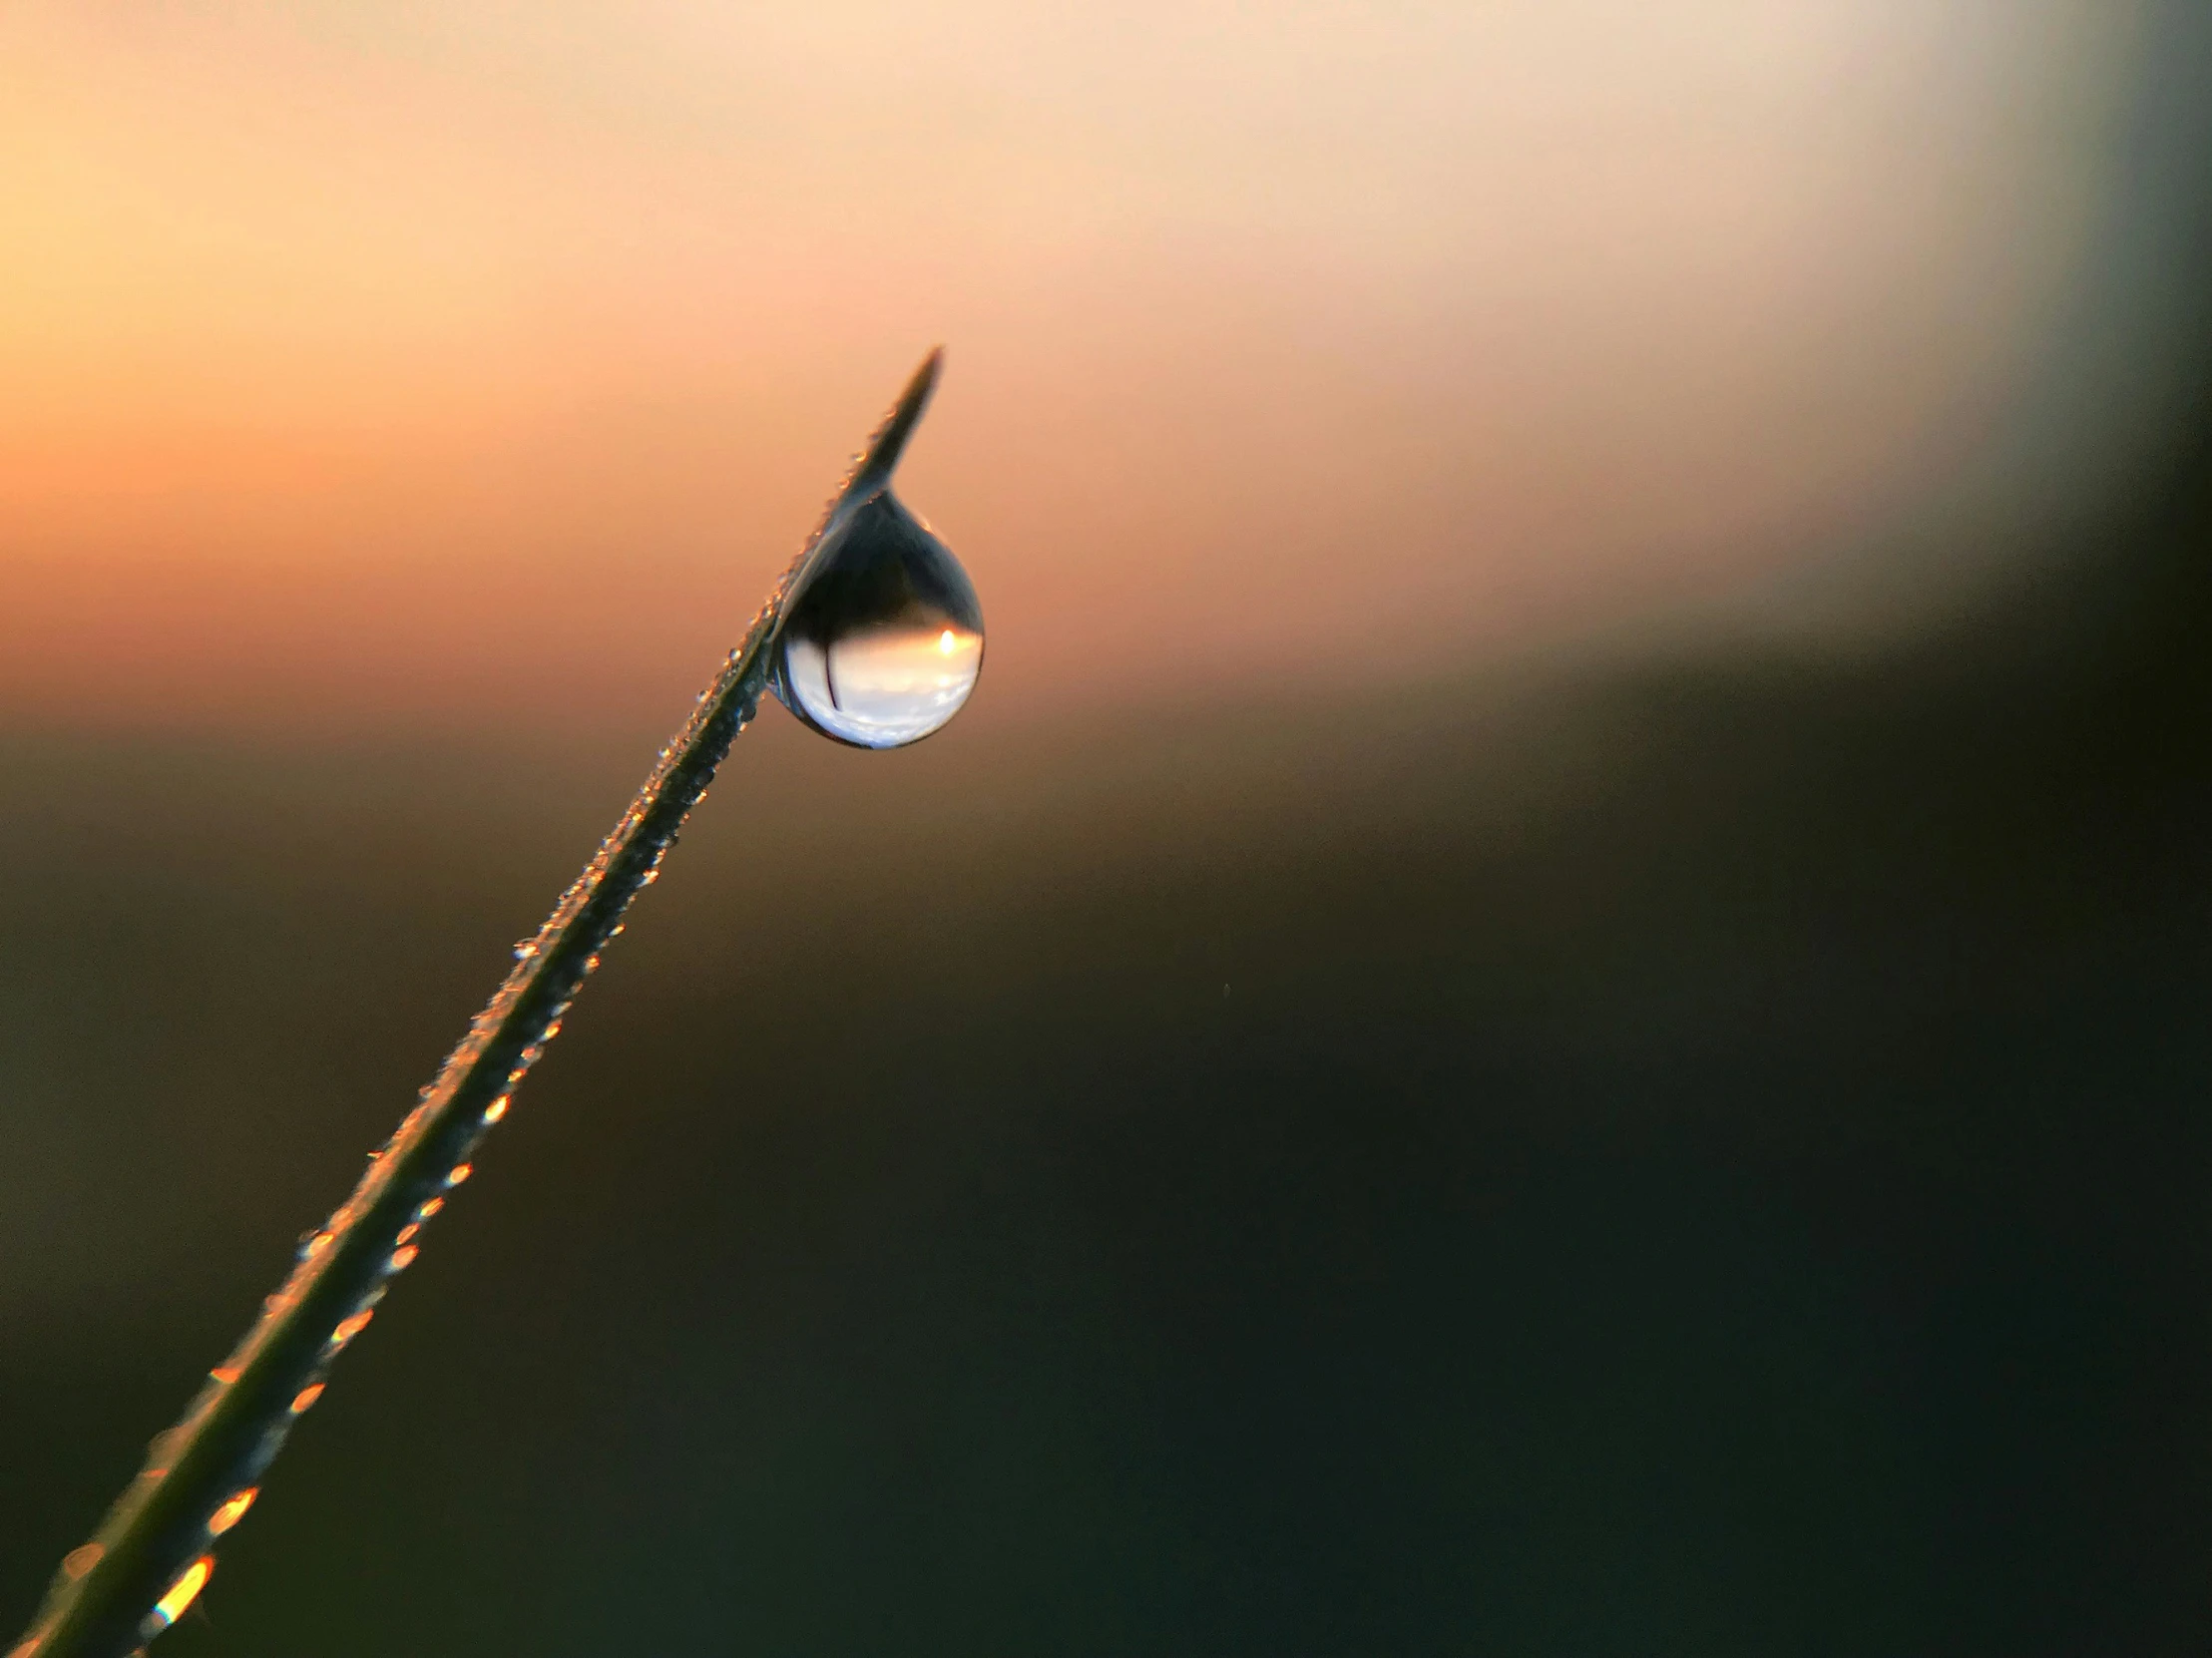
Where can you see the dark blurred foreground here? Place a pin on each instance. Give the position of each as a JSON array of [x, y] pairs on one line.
[[1702, 1157]]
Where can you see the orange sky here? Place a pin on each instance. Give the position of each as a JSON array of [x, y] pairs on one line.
[[479, 363]]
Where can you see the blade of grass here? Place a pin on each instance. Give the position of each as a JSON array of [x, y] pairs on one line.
[[154, 1551]]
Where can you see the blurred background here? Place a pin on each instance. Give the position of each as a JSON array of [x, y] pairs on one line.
[[1553, 998]]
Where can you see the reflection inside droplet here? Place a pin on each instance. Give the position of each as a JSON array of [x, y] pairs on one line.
[[885, 639]]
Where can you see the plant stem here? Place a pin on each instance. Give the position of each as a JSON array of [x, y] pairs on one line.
[[154, 1550]]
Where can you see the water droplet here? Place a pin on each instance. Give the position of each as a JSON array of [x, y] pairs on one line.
[[231, 1512], [402, 1258], [350, 1328], [306, 1398], [181, 1594], [82, 1559], [883, 642], [460, 1172], [496, 1109]]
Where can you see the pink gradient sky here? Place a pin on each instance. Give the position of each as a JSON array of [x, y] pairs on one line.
[[480, 363]]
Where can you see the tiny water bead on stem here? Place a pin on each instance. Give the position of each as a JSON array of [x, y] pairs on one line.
[[873, 638]]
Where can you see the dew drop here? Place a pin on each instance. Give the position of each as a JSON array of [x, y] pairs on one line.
[[883, 642], [350, 1328], [231, 1512], [181, 1594], [306, 1398]]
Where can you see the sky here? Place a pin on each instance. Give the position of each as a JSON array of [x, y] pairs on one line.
[[476, 367]]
